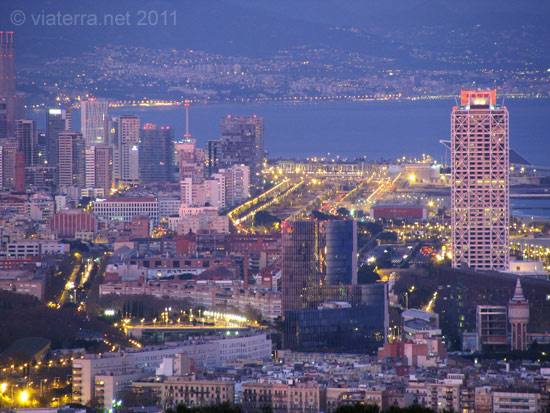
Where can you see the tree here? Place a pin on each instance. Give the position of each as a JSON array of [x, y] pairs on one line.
[[321, 216], [367, 275], [264, 218], [344, 212], [358, 408]]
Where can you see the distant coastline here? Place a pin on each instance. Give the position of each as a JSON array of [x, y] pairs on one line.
[[378, 129]]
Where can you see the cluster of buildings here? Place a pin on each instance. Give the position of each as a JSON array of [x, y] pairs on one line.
[[241, 370], [115, 178], [106, 377], [158, 207], [324, 307], [240, 272], [111, 153]]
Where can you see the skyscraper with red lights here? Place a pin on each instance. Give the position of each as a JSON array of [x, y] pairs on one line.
[[11, 106], [480, 193]]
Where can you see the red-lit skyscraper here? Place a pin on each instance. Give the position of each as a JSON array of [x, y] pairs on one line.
[[11, 106], [480, 194], [7, 64]]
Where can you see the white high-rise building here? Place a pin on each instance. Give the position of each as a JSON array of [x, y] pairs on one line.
[[93, 115], [126, 153], [237, 184], [480, 195], [215, 190], [186, 191]]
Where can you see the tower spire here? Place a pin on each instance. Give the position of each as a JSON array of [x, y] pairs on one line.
[[518, 315], [518, 292]]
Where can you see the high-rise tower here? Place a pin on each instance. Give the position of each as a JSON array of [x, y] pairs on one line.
[[126, 167], [156, 154], [303, 264], [94, 121], [212, 157], [518, 316], [341, 255], [27, 139], [480, 195], [11, 105], [242, 142], [57, 120], [99, 168], [72, 159], [7, 64]]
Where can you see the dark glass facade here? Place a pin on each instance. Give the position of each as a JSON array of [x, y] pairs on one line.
[[303, 264], [156, 155], [323, 307], [213, 151], [242, 142], [55, 123], [354, 329], [341, 252]]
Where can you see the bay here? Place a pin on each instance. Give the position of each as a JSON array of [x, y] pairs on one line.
[[377, 129]]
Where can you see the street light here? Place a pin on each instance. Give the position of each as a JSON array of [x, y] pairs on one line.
[[24, 396]]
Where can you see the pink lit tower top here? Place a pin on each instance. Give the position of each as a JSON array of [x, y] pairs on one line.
[[518, 315], [480, 195]]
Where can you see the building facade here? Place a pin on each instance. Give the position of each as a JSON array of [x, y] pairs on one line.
[[242, 142], [72, 159], [27, 138], [99, 168], [341, 255], [128, 150], [518, 315], [123, 209], [480, 213], [303, 267], [94, 121], [57, 120], [156, 154]]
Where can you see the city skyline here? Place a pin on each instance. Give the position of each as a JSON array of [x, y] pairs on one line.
[[244, 206]]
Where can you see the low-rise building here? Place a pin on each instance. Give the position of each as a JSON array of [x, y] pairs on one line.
[[283, 398], [194, 393], [339, 396], [518, 401], [123, 209], [22, 282], [207, 351]]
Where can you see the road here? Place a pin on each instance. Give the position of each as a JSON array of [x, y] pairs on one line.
[[71, 282]]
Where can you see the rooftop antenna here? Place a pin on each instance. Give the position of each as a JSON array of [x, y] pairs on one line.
[[187, 134]]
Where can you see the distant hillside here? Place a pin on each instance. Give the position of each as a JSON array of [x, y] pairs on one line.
[[395, 29]]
